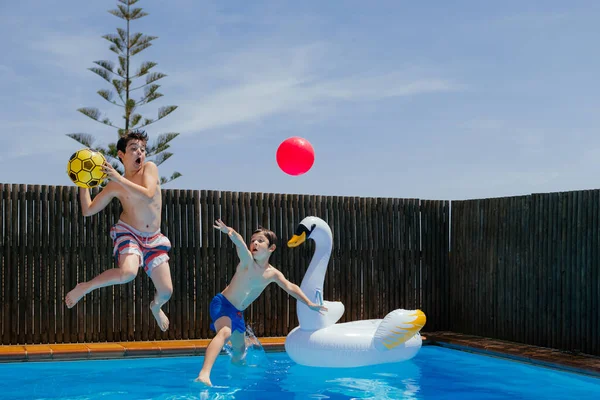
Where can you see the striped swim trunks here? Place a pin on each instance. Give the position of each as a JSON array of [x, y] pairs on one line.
[[152, 248]]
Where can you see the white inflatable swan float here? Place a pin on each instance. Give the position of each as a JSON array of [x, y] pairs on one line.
[[320, 342]]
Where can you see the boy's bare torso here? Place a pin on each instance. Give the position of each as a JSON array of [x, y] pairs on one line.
[[138, 210], [247, 284]]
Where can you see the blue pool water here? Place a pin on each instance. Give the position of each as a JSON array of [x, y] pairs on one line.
[[435, 373]]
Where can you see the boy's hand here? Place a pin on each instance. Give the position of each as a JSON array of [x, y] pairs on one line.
[[220, 225], [317, 307], [111, 172]]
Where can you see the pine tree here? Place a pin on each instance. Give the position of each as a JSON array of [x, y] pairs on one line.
[[123, 82]]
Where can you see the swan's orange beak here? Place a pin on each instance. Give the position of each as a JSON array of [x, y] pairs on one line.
[[297, 240]]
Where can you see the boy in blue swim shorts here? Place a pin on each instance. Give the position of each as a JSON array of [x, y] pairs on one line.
[[252, 275]]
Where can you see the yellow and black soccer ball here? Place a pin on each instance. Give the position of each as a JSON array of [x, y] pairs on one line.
[[85, 168]]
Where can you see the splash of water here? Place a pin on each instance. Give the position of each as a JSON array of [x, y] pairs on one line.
[[254, 354]]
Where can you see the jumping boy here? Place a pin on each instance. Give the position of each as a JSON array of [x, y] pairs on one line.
[[137, 238], [251, 277]]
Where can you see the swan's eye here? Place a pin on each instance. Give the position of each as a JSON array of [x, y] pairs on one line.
[[302, 229], [312, 228]]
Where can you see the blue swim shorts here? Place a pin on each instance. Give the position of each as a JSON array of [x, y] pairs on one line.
[[221, 307]]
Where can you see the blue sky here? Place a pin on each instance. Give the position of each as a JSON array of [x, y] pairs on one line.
[[435, 100]]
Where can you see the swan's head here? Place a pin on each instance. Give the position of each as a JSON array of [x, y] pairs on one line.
[[310, 228]]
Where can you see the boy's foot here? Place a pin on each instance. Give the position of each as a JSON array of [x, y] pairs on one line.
[[75, 295], [160, 316], [204, 379]]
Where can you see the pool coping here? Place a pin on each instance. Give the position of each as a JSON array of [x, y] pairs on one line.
[[111, 350], [552, 358], [573, 362]]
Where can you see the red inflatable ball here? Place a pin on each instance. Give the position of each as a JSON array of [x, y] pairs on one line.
[[295, 156]]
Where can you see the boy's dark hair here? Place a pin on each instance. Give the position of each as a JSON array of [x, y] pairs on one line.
[[131, 135], [270, 235]]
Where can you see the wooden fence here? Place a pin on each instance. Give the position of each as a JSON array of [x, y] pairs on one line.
[[526, 269], [388, 254]]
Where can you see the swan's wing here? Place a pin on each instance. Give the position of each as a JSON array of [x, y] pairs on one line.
[[397, 327]]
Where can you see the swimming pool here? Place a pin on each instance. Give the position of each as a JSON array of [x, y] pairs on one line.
[[435, 373]]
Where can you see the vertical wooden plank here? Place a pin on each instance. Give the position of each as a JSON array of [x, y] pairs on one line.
[[20, 294], [357, 287], [78, 258], [212, 246], [287, 227], [472, 266], [64, 278], [513, 210], [89, 252], [271, 304], [30, 266], [388, 255], [369, 295], [459, 222], [542, 270], [554, 249], [37, 266], [442, 297], [185, 225], [294, 265], [198, 287], [567, 223], [414, 251], [594, 290], [456, 250], [576, 267], [51, 266], [506, 262], [584, 276], [206, 294], [8, 314], [454, 274], [59, 256], [384, 262], [188, 229], [552, 270], [74, 268], [281, 311], [3, 262], [330, 289], [343, 252], [358, 254], [573, 265], [176, 301]]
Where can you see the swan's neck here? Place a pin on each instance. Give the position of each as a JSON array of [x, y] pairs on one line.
[[315, 275]]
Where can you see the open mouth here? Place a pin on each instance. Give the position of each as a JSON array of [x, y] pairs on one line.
[[138, 161]]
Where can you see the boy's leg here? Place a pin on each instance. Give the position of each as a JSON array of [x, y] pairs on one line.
[[127, 271], [238, 345], [223, 327], [161, 277]]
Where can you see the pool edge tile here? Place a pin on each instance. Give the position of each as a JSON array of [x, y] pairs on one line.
[[38, 352], [141, 349], [105, 350], [70, 351], [12, 353], [177, 347]]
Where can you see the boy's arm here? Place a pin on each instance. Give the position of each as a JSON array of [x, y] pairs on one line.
[[237, 239], [149, 180], [295, 291], [91, 207]]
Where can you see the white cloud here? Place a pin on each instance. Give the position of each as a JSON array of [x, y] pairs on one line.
[[73, 54], [263, 82]]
